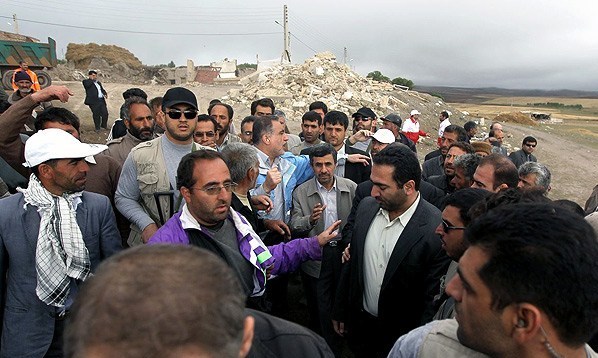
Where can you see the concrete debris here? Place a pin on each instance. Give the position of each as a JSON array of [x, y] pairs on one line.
[[322, 78]]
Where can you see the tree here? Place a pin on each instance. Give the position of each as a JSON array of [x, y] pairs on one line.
[[403, 82], [378, 76], [171, 64]]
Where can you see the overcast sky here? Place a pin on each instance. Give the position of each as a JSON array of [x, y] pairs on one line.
[[509, 43]]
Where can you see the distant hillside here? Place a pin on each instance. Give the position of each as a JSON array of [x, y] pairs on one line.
[[478, 95]]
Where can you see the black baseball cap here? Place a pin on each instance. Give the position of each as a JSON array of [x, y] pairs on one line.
[[364, 112], [178, 95]]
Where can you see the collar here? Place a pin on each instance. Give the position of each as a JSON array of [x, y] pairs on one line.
[[322, 188], [413, 119], [265, 160], [342, 150]]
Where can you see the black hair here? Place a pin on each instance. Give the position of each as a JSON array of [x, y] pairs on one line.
[[405, 163], [312, 117], [505, 172], [469, 126], [571, 206], [543, 255], [321, 150], [336, 117], [464, 146], [184, 173], [208, 118], [261, 126], [228, 107], [529, 139], [464, 199], [264, 102], [248, 119], [57, 115], [318, 105], [461, 133], [134, 92]]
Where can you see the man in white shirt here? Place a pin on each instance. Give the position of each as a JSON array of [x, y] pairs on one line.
[[389, 284]]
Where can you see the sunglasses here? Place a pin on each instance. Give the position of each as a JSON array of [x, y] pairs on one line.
[[176, 114], [206, 134], [446, 227], [362, 119], [531, 145]]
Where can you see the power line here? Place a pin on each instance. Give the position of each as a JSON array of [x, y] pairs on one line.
[[145, 32]]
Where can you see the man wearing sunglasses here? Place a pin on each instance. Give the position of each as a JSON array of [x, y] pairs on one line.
[[525, 153], [364, 124], [455, 218], [207, 131], [151, 168]]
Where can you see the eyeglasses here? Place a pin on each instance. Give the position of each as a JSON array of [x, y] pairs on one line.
[[362, 119], [446, 227], [215, 189], [204, 134], [530, 145], [176, 114]]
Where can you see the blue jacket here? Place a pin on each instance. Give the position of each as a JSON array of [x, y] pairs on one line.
[[295, 170]]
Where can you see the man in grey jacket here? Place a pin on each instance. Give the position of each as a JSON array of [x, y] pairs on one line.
[[52, 237]]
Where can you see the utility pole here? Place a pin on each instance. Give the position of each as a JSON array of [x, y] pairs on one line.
[[16, 24], [345, 55], [286, 54]]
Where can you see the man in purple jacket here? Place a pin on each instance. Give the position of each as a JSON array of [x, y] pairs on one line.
[[208, 221]]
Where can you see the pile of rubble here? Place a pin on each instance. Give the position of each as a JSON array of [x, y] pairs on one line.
[[322, 78]]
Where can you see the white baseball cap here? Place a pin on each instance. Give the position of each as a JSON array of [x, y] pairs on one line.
[[54, 143], [384, 136], [414, 112]]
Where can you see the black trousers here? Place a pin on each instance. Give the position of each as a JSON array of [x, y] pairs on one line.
[[56, 348], [99, 112]]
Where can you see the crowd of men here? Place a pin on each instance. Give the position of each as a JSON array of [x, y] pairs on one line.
[[461, 255]]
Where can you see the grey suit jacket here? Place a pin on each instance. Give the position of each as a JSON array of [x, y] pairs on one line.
[[305, 197], [27, 322]]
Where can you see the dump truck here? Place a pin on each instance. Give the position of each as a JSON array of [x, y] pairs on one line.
[[39, 56]]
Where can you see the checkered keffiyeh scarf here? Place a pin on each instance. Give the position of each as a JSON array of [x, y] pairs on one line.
[[60, 253]]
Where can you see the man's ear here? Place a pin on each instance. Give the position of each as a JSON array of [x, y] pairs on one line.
[[409, 187], [526, 320], [248, 328], [501, 187], [127, 123], [186, 193], [45, 171]]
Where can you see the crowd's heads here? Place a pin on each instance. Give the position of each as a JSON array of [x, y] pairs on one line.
[[444, 115], [319, 107], [482, 148], [246, 134], [455, 150], [137, 116], [23, 81], [364, 118], [495, 172], [156, 106], [452, 134], [415, 113], [335, 128], [223, 114], [311, 126], [206, 131], [269, 135], [140, 303], [498, 135], [471, 128], [382, 138], [322, 158], [57, 159], [534, 175], [242, 161], [92, 74], [393, 123], [58, 117], [180, 106], [134, 92], [529, 144], [404, 163], [455, 218], [464, 167], [262, 107], [24, 65], [533, 269]]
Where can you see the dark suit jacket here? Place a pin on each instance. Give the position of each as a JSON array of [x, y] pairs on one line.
[[356, 172], [519, 157], [91, 92], [28, 323], [429, 192], [411, 279]]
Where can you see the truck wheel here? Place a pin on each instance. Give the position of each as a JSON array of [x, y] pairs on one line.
[[43, 78], [7, 80]]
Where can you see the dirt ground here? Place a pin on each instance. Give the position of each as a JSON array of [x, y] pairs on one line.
[[568, 149]]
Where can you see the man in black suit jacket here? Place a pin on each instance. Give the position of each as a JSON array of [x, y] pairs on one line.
[[388, 286], [525, 153], [95, 98], [352, 163]]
